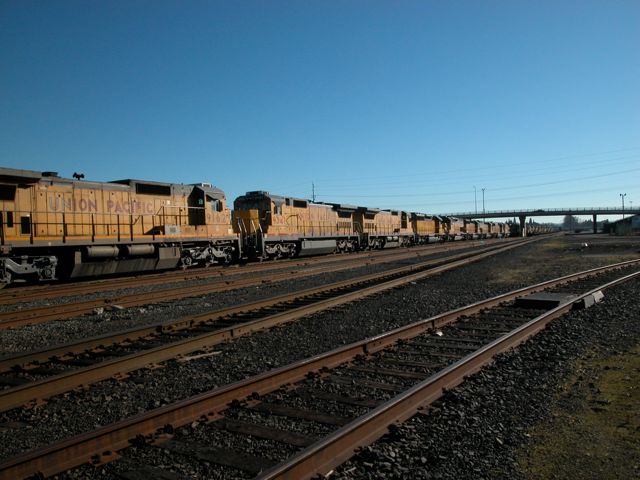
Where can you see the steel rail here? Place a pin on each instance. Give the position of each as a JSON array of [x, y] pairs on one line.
[[326, 454], [18, 318], [34, 357], [102, 442], [41, 292], [47, 387]]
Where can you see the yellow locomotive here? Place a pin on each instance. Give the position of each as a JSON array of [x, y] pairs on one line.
[[427, 228], [454, 228], [52, 226], [277, 226]]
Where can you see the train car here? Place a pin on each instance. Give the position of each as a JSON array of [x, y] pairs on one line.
[[375, 228], [349, 236], [470, 229], [383, 228], [454, 228], [483, 229], [427, 228], [274, 226], [53, 227], [538, 229], [492, 230]]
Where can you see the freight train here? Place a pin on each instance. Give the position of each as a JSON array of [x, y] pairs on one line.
[[53, 227]]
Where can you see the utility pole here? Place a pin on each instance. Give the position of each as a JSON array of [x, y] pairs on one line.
[[475, 198], [622, 195], [313, 191], [483, 211]]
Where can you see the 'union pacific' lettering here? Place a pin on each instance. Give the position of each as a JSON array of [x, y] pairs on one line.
[[57, 204], [83, 205], [130, 207]]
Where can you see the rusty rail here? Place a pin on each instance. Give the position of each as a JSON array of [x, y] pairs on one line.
[[18, 318], [335, 449], [40, 292], [45, 388], [324, 455]]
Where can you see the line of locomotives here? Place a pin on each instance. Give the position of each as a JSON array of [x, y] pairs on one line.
[[53, 227]]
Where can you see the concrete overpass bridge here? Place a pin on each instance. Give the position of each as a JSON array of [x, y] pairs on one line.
[[548, 212]]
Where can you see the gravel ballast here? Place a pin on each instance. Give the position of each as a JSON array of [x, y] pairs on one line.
[[110, 401], [37, 336], [479, 429]]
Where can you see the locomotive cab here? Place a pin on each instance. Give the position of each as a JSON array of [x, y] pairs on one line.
[[274, 226], [251, 220], [19, 261], [203, 203]]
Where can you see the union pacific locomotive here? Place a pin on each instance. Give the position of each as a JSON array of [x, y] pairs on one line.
[[53, 227]]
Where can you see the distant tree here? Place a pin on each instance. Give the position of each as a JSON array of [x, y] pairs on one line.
[[569, 222], [574, 223]]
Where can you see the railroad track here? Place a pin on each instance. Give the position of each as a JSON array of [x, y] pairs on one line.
[[41, 292], [29, 316], [343, 399], [39, 375]]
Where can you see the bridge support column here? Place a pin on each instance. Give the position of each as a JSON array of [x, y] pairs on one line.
[[523, 226], [595, 223]]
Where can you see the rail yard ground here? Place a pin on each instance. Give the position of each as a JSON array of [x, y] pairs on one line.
[[566, 405], [519, 418]]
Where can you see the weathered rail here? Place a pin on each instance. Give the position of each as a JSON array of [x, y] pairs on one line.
[[32, 293], [330, 451], [28, 316], [293, 306]]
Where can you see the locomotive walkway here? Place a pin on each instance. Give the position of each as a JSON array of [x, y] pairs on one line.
[[548, 212]]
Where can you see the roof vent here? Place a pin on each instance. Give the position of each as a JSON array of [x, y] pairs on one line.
[[49, 174]]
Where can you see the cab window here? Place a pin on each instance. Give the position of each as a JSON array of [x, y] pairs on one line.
[[215, 205]]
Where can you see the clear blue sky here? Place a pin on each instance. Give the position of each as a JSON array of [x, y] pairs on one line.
[[386, 104]]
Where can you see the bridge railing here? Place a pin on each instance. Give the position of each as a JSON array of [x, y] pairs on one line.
[[545, 211]]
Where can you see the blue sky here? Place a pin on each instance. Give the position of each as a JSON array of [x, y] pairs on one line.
[[387, 104]]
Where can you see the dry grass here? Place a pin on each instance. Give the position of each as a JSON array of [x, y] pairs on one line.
[[595, 429]]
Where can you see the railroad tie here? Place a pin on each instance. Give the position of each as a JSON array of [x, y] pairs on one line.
[[220, 456], [266, 433], [292, 412]]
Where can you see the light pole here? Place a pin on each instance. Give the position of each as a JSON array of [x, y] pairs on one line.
[[475, 198], [483, 201], [622, 195]]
